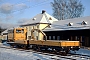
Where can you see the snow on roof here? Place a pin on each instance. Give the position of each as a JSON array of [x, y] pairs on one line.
[[40, 18], [76, 23], [6, 31]]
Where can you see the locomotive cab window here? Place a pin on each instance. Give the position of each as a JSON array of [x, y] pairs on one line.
[[19, 31]]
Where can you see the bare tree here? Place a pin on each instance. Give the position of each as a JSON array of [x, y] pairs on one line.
[[66, 9]]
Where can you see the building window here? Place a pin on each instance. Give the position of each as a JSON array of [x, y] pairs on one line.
[[29, 37], [49, 37], [58, 37], [50, 18], [53, 37], [37, 26], [34, 18], [84, 23], [36, 37], [34, 27], [70, 24]]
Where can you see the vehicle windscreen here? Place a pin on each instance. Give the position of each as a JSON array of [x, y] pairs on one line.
[[19, 30]]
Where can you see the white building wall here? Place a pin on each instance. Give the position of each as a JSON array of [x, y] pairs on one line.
[[4, 37]]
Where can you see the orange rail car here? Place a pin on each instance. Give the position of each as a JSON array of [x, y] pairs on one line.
[[18, 36]]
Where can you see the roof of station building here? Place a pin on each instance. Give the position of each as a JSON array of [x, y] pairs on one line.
[[70, 24], [40, 18]]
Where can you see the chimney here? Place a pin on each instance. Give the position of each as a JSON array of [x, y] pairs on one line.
[[43, 11]]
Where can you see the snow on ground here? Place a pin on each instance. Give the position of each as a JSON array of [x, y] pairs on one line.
[[84, 51], [10, 54]]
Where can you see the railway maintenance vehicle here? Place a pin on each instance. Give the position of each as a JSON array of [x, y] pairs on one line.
[[18, 37]]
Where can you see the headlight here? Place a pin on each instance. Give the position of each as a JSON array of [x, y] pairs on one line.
[[71, 47]]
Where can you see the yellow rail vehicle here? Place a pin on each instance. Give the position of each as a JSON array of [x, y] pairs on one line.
[[16, 34], [18, 37]]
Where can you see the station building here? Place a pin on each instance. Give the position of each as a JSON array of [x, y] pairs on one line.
[[40, 21], [76, 29]]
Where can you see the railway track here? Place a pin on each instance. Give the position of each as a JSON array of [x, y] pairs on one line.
[[70, 56]]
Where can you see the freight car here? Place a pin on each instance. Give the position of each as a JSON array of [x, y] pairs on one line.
[[17, 37]]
